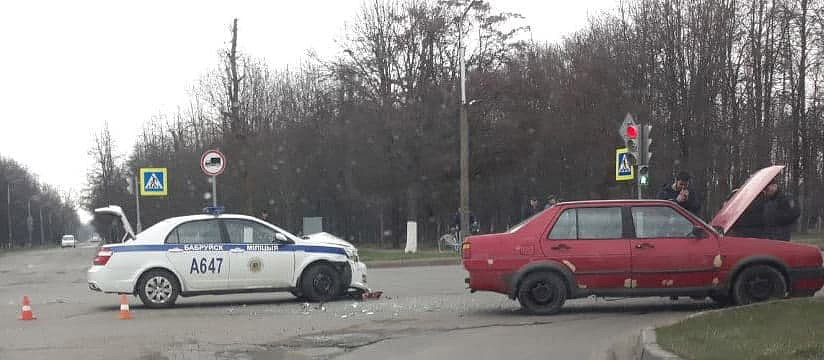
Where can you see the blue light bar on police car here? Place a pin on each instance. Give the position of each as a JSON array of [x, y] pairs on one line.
[[214, 210]]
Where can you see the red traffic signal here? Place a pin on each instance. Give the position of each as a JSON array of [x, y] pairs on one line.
[[632, 132]]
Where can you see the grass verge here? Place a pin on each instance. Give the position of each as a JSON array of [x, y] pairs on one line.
[[384, 255], [810, 238], [787, 330]]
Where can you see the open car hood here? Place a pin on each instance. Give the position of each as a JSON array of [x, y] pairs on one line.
[[732, 210], [116, 211], [327, 238]]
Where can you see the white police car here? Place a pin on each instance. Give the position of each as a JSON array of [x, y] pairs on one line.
[[223, 254]]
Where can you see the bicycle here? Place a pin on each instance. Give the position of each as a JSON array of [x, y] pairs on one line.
[[453, 238]]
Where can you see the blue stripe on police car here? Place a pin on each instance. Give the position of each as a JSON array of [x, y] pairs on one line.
[[225, 247]]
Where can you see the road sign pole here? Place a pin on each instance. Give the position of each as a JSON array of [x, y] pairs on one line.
[[638, 183], [213, 162], [638, 165], [214, 191], [137, 205]]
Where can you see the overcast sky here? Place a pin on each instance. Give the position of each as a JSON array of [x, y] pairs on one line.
[[68, 66]]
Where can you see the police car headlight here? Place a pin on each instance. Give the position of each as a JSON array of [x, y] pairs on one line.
[[352, 254]]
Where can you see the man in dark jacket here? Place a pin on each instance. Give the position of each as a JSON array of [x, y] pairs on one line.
[[532, 207], [780, 212], [679, 193], [751, 223]]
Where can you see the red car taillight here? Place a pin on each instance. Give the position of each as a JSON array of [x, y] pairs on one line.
[[103, 256], [465, 247]]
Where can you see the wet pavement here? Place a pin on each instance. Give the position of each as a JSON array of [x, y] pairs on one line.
[[425, 312]]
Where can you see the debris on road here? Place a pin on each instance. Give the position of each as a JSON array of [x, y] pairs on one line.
[[372, 295], [308, 308]]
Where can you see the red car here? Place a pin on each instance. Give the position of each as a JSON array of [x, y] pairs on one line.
[[635, 248]]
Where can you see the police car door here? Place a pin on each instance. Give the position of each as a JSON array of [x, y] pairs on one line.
[[258, 260], [198, 255]]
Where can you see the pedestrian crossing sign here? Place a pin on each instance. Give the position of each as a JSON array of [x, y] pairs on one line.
[[623, 168], [154, 182]]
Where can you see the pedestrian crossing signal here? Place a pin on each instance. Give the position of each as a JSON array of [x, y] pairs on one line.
[[623, 165], [643, 174], [154, 182]]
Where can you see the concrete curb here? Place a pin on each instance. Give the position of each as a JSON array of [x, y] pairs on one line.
[[383, 264], [650, 350]]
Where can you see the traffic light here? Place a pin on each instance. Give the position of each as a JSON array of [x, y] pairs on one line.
[[630, 136], [646, 145], [129, 185], [643, 174]]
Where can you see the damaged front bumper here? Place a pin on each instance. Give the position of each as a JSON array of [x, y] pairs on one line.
[[358, 276]]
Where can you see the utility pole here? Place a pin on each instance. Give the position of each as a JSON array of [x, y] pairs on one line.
[[464, 134], [41, 226], [29, 224], [8, 199], [464, 128]]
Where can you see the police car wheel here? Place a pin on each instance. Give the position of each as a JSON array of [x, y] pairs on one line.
[[320, 282], [158, 289]]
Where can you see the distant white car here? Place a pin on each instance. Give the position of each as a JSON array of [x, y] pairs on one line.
[[68, 241], [223, 254]]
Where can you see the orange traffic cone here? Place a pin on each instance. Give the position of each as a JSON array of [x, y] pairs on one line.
[[27, 314], [124, 308]]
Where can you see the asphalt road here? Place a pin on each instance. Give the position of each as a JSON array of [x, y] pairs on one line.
[[426, 312]]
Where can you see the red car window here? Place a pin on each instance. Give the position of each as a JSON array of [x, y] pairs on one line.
[[660, 222], [588, 224], [566, 228], [600, 223]]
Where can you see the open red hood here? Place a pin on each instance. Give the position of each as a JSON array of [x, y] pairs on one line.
[[733, 209]]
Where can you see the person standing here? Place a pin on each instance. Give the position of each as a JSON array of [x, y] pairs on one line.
[[551, 200], [780, 213], [751, 222], [264, 215], [678, 191], [532, 207]]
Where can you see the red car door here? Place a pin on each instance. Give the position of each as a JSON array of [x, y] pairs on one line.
[[666, 253], [591, 242]]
